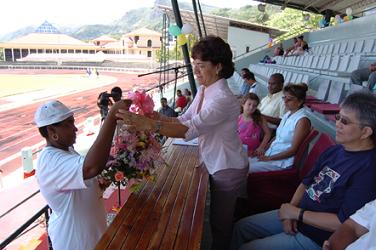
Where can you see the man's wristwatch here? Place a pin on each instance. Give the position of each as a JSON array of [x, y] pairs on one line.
[[301, 213]]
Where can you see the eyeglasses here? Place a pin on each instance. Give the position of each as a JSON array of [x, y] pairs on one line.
[[344, 121], [288, 98]]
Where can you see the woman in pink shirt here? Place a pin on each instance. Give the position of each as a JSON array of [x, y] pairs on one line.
[[252, 126], [212, 117]]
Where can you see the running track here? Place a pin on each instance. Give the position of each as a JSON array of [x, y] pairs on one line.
[[17, 129]]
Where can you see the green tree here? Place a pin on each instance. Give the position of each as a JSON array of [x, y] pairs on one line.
[[290, 19]]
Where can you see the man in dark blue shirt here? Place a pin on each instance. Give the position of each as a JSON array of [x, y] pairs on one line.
[[167, 110], [341, 182]]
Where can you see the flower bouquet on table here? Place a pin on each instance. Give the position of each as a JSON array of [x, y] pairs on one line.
[[134, 155]]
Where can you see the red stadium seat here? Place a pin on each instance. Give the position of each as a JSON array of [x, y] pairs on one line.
[[268, 190]]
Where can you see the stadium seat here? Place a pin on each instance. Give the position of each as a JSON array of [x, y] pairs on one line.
[[336, 92], [268, 190], [359, 46], [368, 46], [321, 94]]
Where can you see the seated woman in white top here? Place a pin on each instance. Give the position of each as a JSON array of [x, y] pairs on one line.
[[292, 130]]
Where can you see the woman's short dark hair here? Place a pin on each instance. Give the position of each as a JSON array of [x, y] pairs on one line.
[[215, 50], [363, 104], [298, 90]]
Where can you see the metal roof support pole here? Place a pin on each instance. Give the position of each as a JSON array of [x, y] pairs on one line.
[[202, 18], [197, 19], [192, 83]]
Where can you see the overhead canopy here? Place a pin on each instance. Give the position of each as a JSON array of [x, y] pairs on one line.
[[318, 6], [217, 25]]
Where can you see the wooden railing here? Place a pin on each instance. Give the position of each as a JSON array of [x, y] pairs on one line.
[[167, 213]]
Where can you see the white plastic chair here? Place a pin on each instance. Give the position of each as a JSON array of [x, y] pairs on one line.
[[342, 49], [368, 45], [359, 46]]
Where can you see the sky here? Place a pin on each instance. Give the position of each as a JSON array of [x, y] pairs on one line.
[[17, 14]]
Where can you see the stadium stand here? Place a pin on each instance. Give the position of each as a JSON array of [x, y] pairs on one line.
[[333, 54]]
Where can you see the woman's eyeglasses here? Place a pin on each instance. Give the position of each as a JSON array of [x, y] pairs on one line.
[[288, 98], [344, 121]]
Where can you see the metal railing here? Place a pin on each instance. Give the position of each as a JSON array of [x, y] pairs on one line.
[[46, 211]]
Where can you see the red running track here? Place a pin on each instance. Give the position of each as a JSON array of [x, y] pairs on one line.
[[18, 129]]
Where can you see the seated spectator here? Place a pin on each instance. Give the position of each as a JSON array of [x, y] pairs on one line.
[[365, 74], [292, 130], [188, 95], [250, 84], [252, 127], [299, 47], [341, 182], [181, 101], [357, 232], [293, 47], [278, 51], [167, 110], [244, 89], [272, 105]]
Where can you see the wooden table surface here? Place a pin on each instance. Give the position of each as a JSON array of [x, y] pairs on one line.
[[167, 213]]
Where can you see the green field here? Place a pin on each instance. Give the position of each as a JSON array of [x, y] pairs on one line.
[[12, 84]]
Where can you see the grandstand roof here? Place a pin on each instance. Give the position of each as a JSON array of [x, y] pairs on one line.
[[318, 6], [105, 38], [44, 38], [218, 25], [143, 32]]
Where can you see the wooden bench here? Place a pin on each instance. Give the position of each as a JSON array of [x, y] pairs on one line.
[[167, 213]]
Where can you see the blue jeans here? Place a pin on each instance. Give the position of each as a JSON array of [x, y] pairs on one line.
[[265, 232]]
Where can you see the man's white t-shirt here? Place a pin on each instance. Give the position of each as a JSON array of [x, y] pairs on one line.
[[366, 217], [78, 217]]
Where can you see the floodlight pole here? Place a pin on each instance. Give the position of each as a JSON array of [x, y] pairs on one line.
[[192, 83]]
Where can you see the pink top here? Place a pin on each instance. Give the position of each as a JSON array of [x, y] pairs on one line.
[[250, 134], [216, 128]]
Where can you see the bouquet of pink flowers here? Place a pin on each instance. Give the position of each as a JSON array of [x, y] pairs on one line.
[[133, 154]]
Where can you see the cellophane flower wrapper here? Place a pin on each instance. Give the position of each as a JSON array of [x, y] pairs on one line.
[[134, 154]]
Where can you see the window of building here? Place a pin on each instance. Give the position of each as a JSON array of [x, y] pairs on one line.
[[78, 51], [63, 51], [85, 51], [40, 51], [8, 55], [16, 53], [25, 52], [48, 51], [71, 51], [136, 38], [149, 53], [247, 49], [33, 51], [149, 43]]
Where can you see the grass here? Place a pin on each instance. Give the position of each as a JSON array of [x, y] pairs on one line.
[[12, 84]]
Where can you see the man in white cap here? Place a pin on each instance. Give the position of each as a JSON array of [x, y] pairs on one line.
[[67, 180]]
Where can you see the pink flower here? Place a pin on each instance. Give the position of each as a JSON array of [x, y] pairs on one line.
[[142, 103], [119, 176]]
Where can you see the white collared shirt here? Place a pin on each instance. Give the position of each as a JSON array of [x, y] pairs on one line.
[[216, 127], [273, 105]]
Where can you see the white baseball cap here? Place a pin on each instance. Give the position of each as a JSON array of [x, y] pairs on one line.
[[51, 112]]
